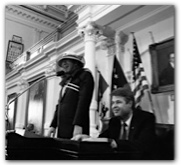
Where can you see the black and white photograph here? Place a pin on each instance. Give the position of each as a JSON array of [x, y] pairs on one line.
[[90, 81]]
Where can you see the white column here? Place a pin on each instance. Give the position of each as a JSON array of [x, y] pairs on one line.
[[107, 42], [90, 34], [21, 105], [53, 89]]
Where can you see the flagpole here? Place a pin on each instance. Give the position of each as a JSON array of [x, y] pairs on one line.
[[98, 101]]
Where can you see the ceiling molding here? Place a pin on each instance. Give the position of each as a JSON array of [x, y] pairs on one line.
[[18, 13], [50, 12]]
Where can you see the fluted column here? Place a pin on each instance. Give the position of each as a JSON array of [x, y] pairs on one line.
[[90, 33]]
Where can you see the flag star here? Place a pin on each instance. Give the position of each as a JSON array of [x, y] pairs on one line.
[[118, 77], [115, 76]]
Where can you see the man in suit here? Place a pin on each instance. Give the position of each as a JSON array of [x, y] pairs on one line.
[[130, 129]]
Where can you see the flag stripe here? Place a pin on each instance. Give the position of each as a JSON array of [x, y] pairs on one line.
[[140, 82], [139, 90], [140, 86], [139, 76], [138, 99]]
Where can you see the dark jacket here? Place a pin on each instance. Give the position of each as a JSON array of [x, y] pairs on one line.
[[141, 136], [167, 75], [73, 107]]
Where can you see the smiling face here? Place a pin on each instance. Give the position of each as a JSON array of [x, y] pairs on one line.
[[120, 107]]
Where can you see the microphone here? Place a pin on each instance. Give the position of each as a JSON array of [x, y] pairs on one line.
[[59, 73]]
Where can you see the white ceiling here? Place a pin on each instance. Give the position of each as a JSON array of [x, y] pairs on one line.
[[136, 17], [58, 13]]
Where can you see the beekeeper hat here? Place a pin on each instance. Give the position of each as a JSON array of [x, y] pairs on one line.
[[71, 56]]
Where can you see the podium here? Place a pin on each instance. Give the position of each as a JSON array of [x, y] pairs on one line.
[[43, 148]]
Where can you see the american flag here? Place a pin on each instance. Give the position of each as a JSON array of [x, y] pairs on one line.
[[140, 83]]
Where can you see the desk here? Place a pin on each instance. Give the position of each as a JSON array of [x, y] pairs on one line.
[[43, 148]]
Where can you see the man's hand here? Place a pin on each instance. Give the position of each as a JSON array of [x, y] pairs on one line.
[[51, 132], [77, 130], [113, 144], [80, 137]]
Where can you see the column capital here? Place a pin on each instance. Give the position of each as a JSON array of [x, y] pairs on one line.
[[121, 39], [107, 39], [103, 34], [106, 43], [90, 31]]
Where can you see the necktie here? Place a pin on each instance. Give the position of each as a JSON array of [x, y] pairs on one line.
[[123, 132]]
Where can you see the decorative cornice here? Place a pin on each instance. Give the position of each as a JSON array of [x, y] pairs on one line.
[[79, 8], [59, 8], [18, 12], [56, 12]]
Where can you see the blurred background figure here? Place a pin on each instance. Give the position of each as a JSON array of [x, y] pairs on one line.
[[30, 128]]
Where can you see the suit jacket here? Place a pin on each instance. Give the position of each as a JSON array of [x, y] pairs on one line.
[[141, 134], [73, 106]]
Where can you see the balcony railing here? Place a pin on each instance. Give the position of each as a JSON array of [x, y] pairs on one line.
[[36, 48]]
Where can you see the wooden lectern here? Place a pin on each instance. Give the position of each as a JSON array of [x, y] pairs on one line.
[[43, 148]]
